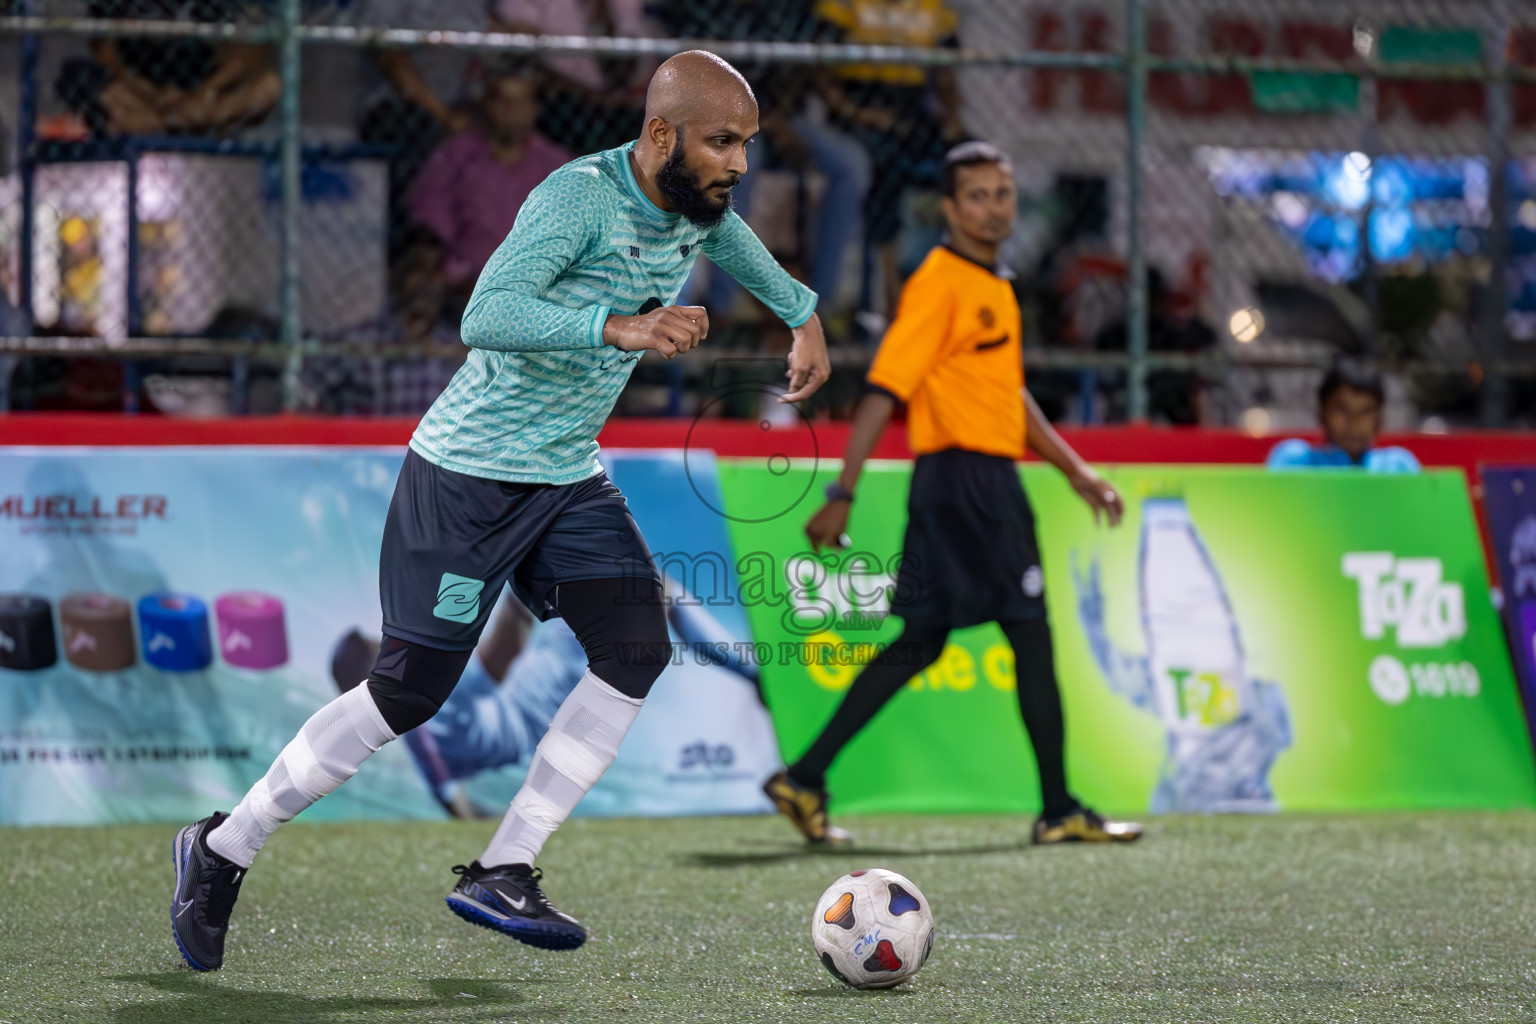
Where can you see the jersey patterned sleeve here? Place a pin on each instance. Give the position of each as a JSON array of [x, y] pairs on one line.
[[736, 250], [556, 227], [916, 337]]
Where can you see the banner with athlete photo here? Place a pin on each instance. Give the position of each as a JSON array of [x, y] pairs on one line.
[[1245, 641], [170, 617]]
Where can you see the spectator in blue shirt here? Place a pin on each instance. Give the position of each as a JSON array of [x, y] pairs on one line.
[[1349, 409]]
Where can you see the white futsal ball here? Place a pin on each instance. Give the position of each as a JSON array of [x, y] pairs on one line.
[[872, 929]]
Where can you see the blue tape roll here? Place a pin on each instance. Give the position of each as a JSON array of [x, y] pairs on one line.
[[173, 629], [27, 640]]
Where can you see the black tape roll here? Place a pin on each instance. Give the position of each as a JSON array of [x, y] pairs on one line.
[[27, 640]]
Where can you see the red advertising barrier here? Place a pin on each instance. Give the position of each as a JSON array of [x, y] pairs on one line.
[[739, 438], [745, 438]]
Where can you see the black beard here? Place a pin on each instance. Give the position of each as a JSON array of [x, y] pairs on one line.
[[686, 195]]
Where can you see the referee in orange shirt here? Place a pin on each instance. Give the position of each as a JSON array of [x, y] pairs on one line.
[[954, 353]]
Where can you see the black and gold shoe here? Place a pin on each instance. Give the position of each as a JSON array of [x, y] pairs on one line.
[[805, 808], [1085, 826]]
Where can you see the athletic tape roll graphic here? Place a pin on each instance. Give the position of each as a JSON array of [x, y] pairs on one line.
[[174, 631], [27, 640], [98, 632], [252, 633]]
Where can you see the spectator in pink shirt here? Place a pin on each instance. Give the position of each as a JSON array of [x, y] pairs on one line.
[[472, 186]]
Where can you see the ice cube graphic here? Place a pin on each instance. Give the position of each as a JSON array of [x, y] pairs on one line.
[[1224, 729]]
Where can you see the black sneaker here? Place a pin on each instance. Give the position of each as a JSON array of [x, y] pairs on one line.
[[508, 899], [207, 886]]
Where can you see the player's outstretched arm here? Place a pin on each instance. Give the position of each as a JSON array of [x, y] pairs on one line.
[[736, 250], [830, 522], [669, 330], [1043, 440], [809, 366]]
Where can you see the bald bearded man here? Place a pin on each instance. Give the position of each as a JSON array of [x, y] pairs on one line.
[[501, 484]]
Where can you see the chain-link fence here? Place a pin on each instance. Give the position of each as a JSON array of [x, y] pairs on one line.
[[212, 205]]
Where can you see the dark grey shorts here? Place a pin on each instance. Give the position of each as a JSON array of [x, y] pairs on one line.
[[451, 541]]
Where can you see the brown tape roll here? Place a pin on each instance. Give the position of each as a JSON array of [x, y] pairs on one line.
[[98, 632]]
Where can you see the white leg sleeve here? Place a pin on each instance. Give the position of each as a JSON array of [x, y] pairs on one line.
[[581, 743], [326, 752]]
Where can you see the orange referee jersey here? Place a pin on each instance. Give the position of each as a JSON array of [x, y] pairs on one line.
[[955, 355]]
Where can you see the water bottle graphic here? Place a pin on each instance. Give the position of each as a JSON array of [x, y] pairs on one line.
[[1198, 676], [1224, 728]]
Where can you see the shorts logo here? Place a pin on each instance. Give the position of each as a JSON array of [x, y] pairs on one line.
[[458, 598], [1033, 582], [986, 316]]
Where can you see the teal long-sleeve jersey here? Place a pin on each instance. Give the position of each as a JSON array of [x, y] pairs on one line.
[[527, 404]]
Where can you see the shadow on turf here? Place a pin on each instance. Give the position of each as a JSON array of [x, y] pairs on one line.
[[757, 857], [849, 992], [203, 999]]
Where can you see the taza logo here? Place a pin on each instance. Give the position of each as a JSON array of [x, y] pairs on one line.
[[1408, 595]]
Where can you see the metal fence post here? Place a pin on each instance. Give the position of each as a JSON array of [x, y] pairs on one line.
[[1494, 393], [26, 142], [1370, 272], [1136, 257], [292, 198]]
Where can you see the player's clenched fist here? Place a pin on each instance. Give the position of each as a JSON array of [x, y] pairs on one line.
[[809, 367], [669, 330]]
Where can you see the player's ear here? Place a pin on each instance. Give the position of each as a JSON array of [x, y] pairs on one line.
[[659, 133], [950, 210]]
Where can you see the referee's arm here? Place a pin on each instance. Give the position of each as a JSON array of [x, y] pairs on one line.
[[830, 523], [909, 350], [1041, 438]]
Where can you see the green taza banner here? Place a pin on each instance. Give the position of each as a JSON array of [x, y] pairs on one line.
[[1243, 641]]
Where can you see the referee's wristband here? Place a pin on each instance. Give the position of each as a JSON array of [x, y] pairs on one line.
[[837, 492]]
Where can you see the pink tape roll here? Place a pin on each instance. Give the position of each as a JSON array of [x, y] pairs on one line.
[[252, 633]]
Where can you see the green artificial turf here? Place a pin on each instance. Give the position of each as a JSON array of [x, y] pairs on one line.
[[1396, 918]]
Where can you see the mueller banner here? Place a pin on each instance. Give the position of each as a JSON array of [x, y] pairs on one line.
[[1509, 498], [1245, 641], [170, 617]]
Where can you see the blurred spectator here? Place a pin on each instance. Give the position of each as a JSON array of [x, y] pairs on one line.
[[434, 82], [408, 387], [471, 188], [147, 86], [794, 132], [411, 99], [588, 105], [1349, 409], [905, 116], [393, 383], [1173, 396]]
